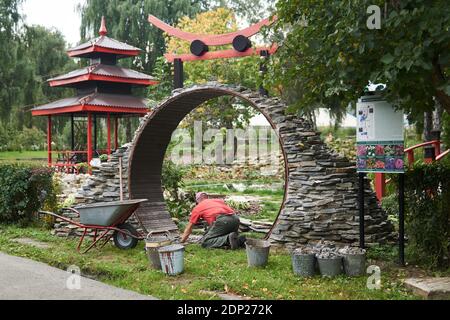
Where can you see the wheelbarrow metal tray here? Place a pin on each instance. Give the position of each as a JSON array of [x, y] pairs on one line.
[[107, 213]]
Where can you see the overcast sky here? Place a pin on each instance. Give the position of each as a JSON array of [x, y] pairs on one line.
[[59, 14]]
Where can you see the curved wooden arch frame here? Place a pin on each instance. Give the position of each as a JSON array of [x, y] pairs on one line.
[[210, 40], [151, 142]]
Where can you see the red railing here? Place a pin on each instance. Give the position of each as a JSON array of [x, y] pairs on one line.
[[380, 181], [65, 160], [410, 151]]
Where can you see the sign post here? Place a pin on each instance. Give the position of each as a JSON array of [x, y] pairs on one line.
[[379, 149]]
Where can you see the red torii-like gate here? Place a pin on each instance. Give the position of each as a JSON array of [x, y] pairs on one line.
[[200, 43]]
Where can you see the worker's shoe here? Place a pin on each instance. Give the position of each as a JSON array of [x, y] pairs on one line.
[[233, 239]]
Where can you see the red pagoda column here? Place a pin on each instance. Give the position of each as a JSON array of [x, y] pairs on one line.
[[108, 125], [49, 140], [89, 138]]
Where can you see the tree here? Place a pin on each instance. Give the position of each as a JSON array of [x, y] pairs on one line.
[[42, 56], [251, 11], [331, 55], [127, 21], [9, 20]]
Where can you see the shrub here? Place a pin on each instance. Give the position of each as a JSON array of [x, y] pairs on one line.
[[179, 203], [25, 189], [427, 205]]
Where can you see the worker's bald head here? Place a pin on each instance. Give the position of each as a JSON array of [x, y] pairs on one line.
[[200, 196]]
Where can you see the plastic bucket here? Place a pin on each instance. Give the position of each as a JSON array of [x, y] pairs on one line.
[[354, 264], [152, 244], [257, 252], [330, 267], [172, 259], [304, 265]]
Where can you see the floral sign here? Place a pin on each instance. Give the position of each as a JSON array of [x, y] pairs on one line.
[[380, 156], [379, 136]]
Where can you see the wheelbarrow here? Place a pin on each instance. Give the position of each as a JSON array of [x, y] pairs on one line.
[[106, 219]]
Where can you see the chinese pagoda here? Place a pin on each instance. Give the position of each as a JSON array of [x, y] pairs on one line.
[[103, 89]]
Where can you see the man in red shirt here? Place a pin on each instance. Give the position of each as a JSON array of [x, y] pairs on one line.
[[223, 223]]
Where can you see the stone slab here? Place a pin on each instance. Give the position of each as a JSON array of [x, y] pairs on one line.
[[430, 288]]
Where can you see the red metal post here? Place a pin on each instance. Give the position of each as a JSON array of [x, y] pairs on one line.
[[89, 138], [49, 140], [437, 148], [108, 125], [116, 133], [410, 158], [380, 185]]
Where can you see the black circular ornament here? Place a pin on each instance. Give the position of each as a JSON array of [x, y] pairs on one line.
[[241, 43], [198, 48]]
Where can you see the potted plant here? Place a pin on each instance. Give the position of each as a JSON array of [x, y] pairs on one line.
[[103, 157], [82, 167]]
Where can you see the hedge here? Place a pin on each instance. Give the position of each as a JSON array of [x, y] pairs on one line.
[[427, 193], [24, 190]]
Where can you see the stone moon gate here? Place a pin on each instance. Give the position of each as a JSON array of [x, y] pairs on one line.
[[320, 200]]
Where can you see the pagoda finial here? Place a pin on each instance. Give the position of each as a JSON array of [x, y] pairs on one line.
[[103, 30]]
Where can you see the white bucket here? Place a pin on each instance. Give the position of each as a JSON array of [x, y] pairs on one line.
[[172, 259]]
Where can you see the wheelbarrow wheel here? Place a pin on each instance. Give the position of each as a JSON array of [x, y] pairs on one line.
[[124, 241]]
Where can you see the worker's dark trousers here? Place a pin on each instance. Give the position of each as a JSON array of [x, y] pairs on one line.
[[217, 234]]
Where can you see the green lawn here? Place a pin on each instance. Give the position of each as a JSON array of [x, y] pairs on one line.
[[23, 155], [205, 270]]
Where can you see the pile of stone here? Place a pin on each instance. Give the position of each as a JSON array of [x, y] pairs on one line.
[[328, 250], [304, 250], [347, 250], [253, 225]]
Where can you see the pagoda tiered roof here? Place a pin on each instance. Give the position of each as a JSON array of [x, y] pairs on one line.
[[102, 87], [94, 102], [103, 72], [103, 44]]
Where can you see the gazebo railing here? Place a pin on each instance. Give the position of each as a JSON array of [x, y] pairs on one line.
[[68, 162]]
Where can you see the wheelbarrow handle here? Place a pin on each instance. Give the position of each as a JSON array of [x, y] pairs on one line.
[[73, 210]]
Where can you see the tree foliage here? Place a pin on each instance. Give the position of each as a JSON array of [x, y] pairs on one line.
[[329, 55], [29, 55]]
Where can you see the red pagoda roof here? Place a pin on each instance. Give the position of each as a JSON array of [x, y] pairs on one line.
[[106, 45], [95, 102], [103, 72], [103, 44]]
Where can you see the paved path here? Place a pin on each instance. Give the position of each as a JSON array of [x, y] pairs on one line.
[[24, 279]]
